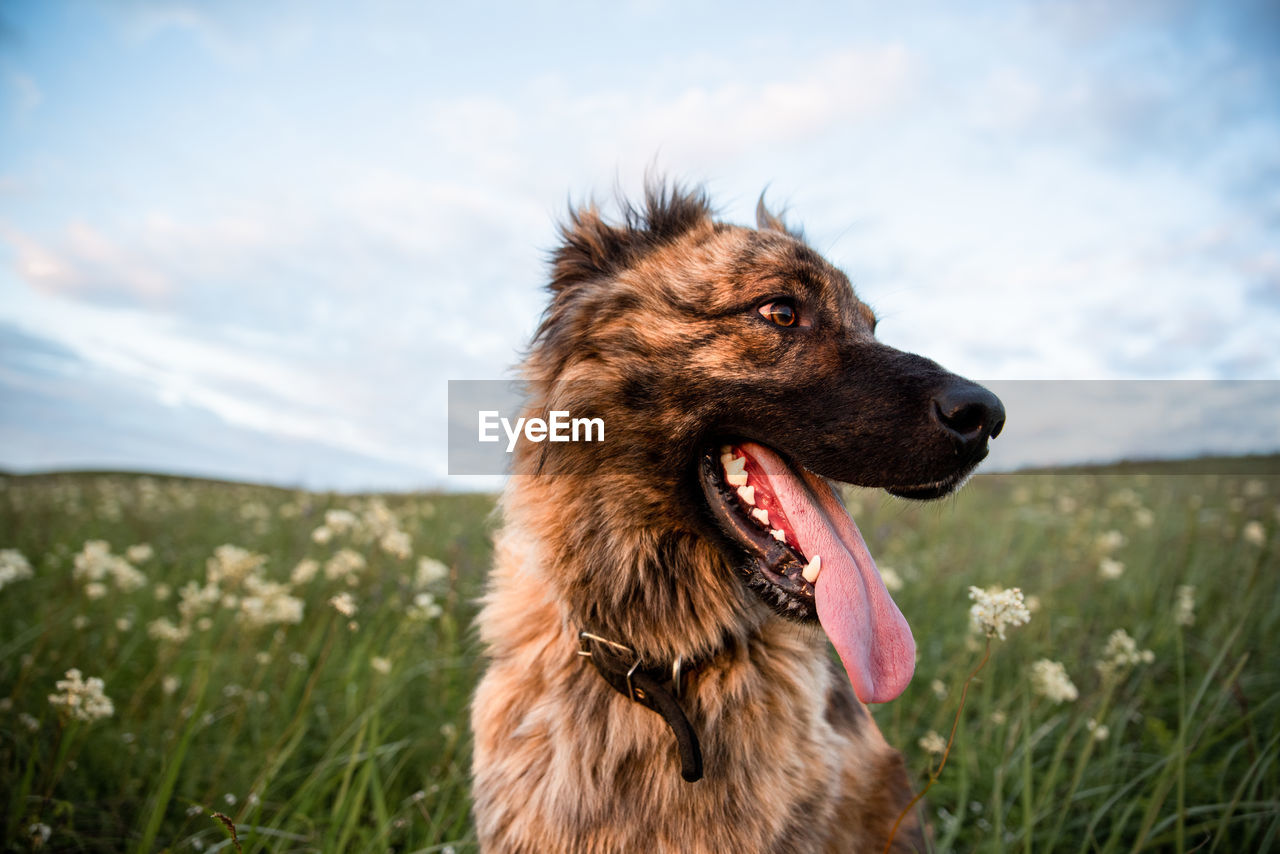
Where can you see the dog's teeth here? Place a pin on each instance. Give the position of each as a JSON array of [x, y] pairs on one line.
[[811, 571], [761, 515], [737, 479], [779, 535], [737, 465], [747, 494]]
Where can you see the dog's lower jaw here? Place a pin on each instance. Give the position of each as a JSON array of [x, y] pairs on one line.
[[564, 763]]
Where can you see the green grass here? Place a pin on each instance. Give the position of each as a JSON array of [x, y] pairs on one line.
[[296, 734]]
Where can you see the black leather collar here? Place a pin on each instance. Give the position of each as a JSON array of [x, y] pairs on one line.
[[657, 688]]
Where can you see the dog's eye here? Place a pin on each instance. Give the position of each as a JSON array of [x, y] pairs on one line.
[[781, 312]]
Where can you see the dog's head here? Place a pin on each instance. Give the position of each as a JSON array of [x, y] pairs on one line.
[[736, 372]]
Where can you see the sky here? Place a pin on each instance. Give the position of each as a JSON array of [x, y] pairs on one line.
[[255, 240]]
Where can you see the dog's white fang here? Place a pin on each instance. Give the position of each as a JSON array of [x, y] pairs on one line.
[[747, 494], [814, 567], [737, 465], [779, 535], [761, 515], [737, 479]]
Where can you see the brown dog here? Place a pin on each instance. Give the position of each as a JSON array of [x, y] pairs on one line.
[[656, 610]]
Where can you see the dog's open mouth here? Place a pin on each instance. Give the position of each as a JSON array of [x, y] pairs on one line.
[[809, 559]]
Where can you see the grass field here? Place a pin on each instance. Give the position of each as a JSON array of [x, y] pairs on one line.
[[310, 683]]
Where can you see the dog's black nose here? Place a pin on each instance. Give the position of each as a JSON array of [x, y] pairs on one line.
[[969, 412]]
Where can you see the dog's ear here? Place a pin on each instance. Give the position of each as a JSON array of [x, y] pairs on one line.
[[591, 248], [596, 249], [766, 220]]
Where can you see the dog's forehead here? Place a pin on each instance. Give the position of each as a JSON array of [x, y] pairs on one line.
[[776, 262]]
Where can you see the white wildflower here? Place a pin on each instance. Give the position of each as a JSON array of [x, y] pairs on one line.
[[1049, 679], [932, 743], [397, 543], [269, 602], [892, 580], [139, 553], [170, 685], [194, 599], [95, 563], [1254, 489], [162, 592], [163, 629], [996, 609], [255, 511], [1143, 518], [304, 571], [91, 562], [1100, 731], [95, 590], [1110, 569], [322, 535], [339, 521], [39, 833], [429, 572], [424, 608], [378, 519], [346, 564], [29, 722], [1122, 653], [123, 624], [344, 604], [13, 567], [999, 718], [1110, 541], [1254, 534], [231, 564], [80, 622], [1125, 497], [939, 689], [82, 699], [380, 664], [1184, 608]]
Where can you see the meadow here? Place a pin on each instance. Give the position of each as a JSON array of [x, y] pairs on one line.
[[297, 665]]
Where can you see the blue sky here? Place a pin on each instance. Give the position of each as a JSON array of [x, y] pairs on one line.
[[256, 239]]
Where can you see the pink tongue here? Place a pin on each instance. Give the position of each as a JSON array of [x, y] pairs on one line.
[[856, 611]]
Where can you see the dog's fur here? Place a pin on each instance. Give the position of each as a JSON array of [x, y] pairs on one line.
[[653, 326]]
